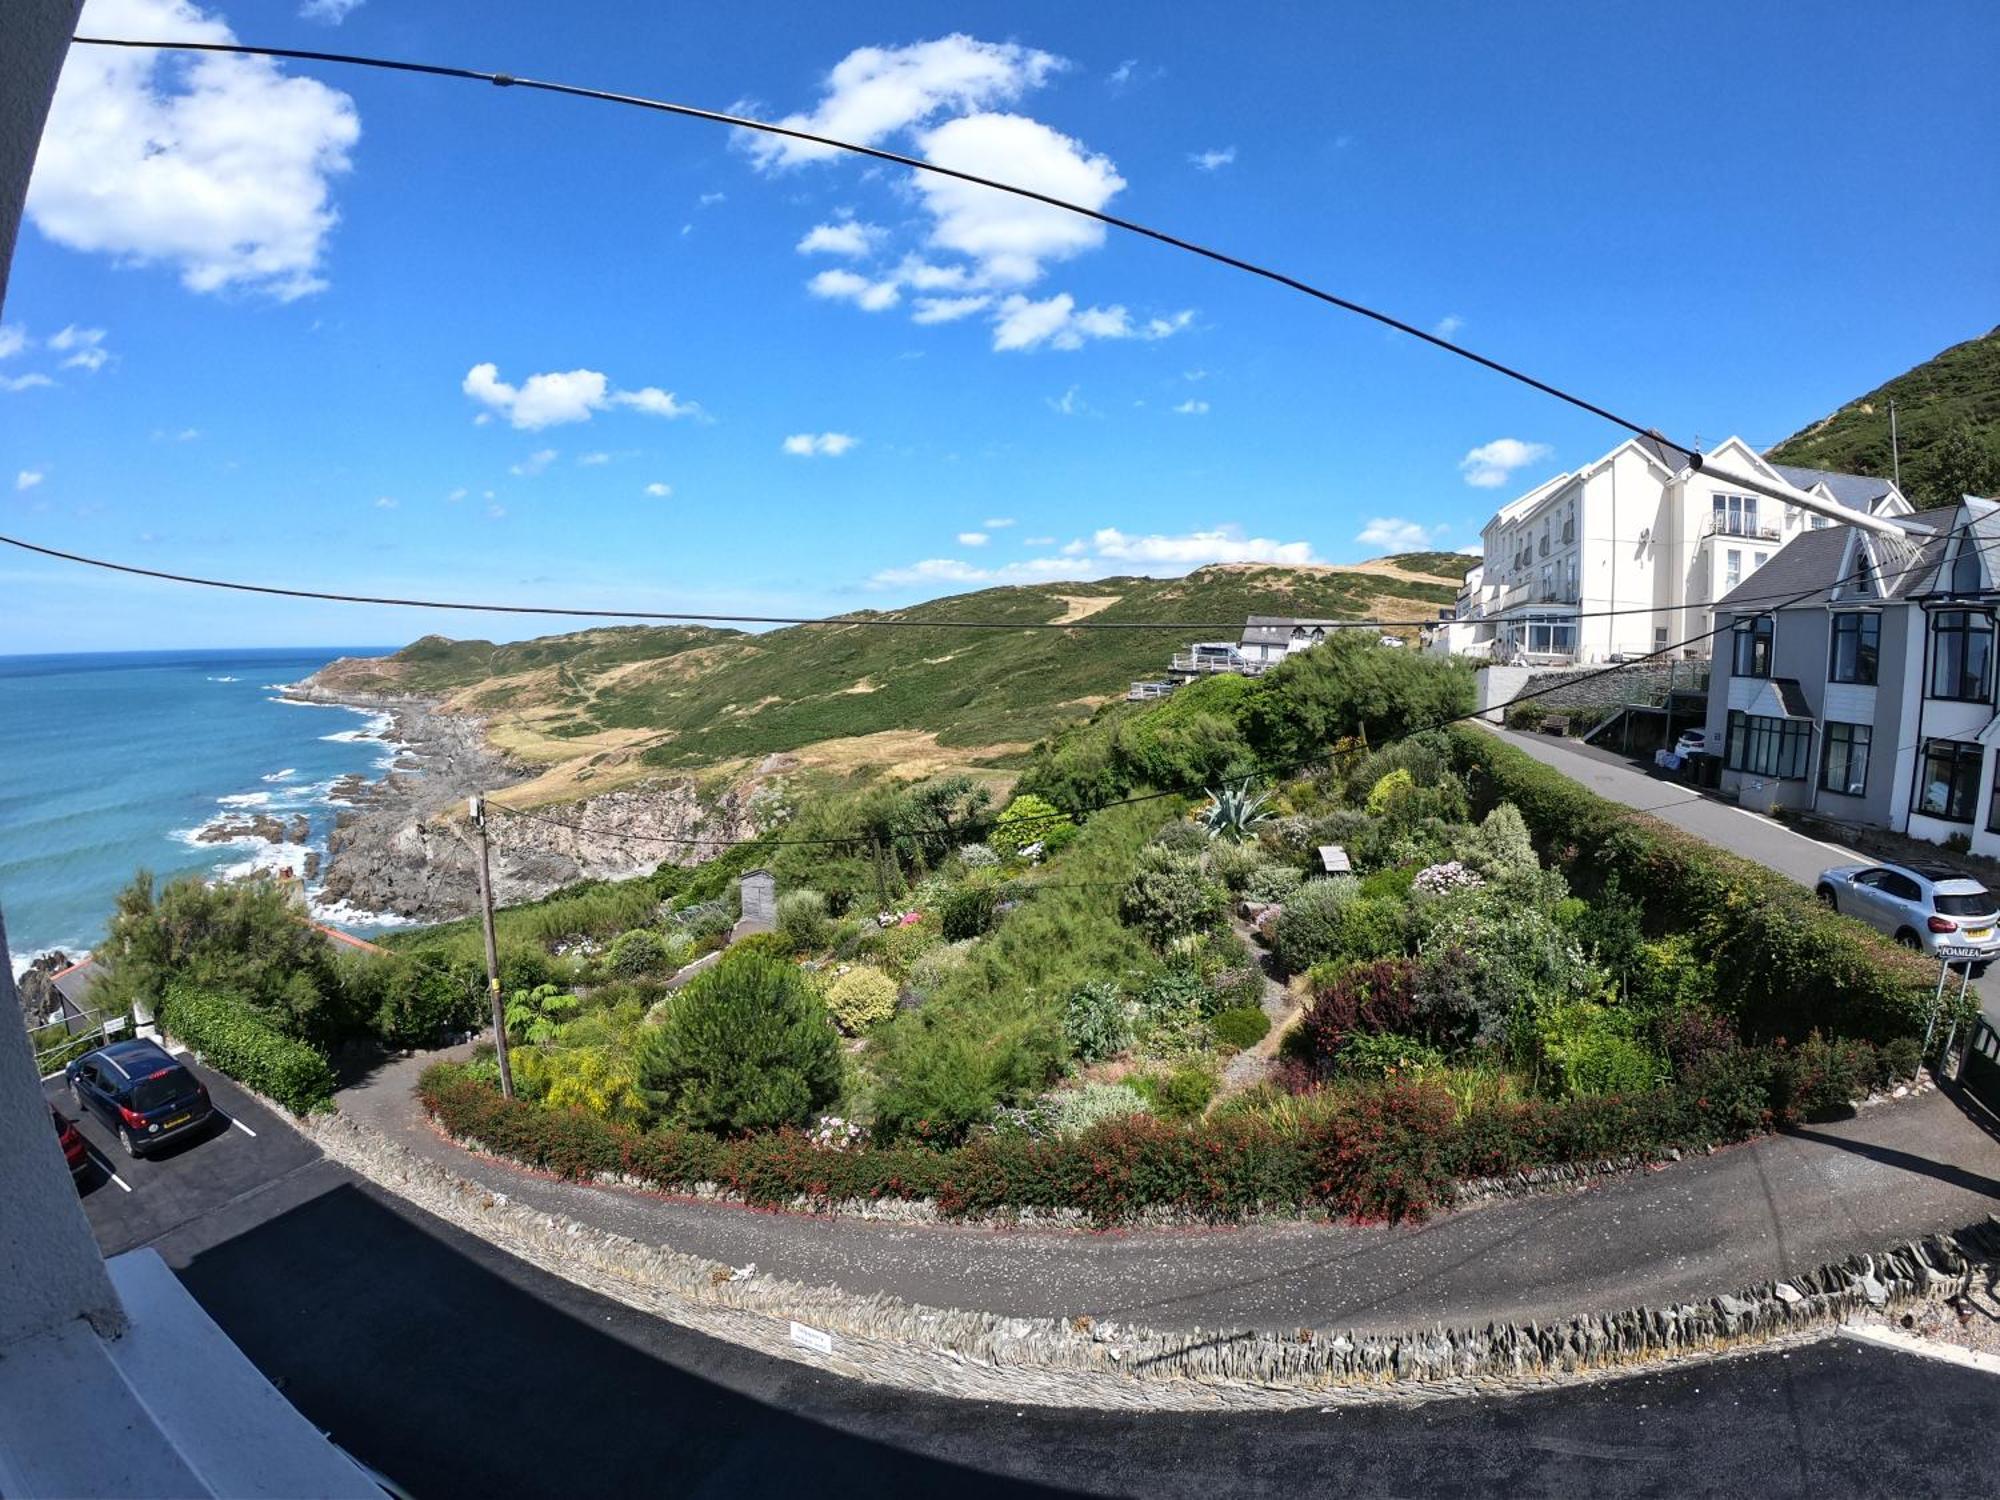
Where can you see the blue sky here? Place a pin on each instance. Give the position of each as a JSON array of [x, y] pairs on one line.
[[287, 330]]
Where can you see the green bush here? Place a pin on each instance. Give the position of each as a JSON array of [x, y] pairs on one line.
[[1029, 820], [1097, 1023], [802, 921], [1387, 792], [1180, 1094], [1783, 966], [743, 1046], [967, 911], [1169, 898], [1241, 1027], [860, 999], [1228, 862], [1386, 1054], [1590, 1049], [945, 1067], [1822, 1076], [1331, 920], [234, 1038], [1183, 837], [1348, 686], [1272, 883], [637, 953], [1076, 1110], [932, 969]]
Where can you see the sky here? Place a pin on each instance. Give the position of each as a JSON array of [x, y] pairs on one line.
[[374, 333]]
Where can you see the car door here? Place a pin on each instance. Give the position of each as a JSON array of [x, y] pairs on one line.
[[90, 1089], [1903, 903], [1869, 902]]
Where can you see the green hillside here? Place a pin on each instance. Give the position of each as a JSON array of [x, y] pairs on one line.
[[1947, 419], [609, 705]]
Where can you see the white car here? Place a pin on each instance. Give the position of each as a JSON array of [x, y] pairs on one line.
[[1948, 915], [1695, 742]]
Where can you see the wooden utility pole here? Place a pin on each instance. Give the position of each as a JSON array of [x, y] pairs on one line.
[[477, 806]]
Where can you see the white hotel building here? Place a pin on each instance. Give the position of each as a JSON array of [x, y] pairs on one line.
[[1640, 532]]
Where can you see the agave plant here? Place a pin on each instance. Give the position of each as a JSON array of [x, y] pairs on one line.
[[1233, 813]]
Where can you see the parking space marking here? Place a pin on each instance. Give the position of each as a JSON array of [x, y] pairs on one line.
[[242, 1127], [104, 1162]]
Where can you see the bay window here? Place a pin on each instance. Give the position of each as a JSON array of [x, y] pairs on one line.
[[1949, 784], [1768, 747], [1843, 764]]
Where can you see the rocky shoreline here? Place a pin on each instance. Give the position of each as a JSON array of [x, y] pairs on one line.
[[399, 847]]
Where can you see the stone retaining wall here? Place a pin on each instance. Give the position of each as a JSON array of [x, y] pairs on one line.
[[1081, 1362]]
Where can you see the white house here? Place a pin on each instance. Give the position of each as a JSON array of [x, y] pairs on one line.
[[1628, 555]]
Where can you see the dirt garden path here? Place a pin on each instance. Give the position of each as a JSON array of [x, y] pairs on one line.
[[1254, 1064]]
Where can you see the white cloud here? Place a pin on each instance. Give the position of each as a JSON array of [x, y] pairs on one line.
[[709, 200], [1075, 548], [1471, 549], [84, 346], [845, 286], [27, 479], [455, 496], [997, 523], [1209, 160], [217, 165], [947, 309], [1489, 466], [1023, 323], [386, 502], [593, 460], [13, 339], [659, 491], [1121, 75], [1398, 535], [1196, 548], [554, 398], [850, 237], [496, 512], [875, 92], [185, 435], [533, 464], [1038, 541], [23, 382], [1069, 404], [1009, 238], [957, 570], [328, 12], [826, 444], [973, 539], [1192, 408], [1447, 325]]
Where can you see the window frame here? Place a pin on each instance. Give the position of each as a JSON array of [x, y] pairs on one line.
[[1870, 651], [1938, 630], [1848, 742], [1961, 754], [1746, 632], [1759, 745]]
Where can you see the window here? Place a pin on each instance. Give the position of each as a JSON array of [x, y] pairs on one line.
[[1732, 571], [1950, 782], [1862, 579], [1843, 763], [1768, 747], [1569, 594], [1659, 637], [1820, 522], [1961, 654], [1548, 581], [1753, 647], [1736, 515], [1758, 559], [1965, 574], [1857, 640]]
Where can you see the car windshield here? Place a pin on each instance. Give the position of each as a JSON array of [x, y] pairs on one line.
[[161, 1090], [1966, 904]]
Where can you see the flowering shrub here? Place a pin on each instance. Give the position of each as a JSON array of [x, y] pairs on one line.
[[1364, 999], [835, 1134], [1437, 880], [977, 856]]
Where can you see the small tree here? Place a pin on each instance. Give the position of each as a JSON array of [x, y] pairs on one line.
[[745, 1046], [1170, 898], [533, 1015], [637, 953], [802, 920]]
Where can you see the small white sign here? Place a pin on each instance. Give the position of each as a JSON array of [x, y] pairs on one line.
[[814, 1339]]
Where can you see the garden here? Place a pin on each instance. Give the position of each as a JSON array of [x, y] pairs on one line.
[[1162, 1007]]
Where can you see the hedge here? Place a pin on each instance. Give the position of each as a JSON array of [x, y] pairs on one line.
[[1785, 966], [1376, 1153], [234, 1038]]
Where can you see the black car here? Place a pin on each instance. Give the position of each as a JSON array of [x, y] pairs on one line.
[[138, 1090]]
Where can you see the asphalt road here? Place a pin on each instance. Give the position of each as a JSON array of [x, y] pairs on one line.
[[455, 1369], [1747, 833]]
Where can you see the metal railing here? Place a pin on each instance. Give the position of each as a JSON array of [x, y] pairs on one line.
[[1748, 531], [71, 1037], [1197, 666]]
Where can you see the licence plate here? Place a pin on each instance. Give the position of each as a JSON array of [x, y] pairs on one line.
[[1979, 934], [176, 1120]]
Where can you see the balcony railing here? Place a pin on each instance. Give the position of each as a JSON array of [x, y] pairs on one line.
[[1747, 530], [1187, 664]]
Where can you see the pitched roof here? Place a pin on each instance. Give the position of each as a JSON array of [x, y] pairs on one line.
[[1276, 630], [1855, 491], [1810, 563]]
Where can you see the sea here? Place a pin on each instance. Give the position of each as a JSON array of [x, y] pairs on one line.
[[112, 762]]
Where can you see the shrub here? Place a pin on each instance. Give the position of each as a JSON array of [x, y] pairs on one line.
[[234, 1038], [1331, 919], [1590, 1050], [1492, 961], [637, 953], [1373, 997], [967, 911], [1693, 1037], [1097, 1023], [860, 998], [1232, 864], [1384, 794], [1822, 1076], [744, 1046], [802, 920], [1385, 1054], [977, 857], [412, 1003], [945, 1067], [593, 1079], [1267, 882], [1180, 1094], [1078, 1110], [1168, 897], [1502, 846], [930, 969], [532, 1016], [1183, 837], [1241, 1026], [1029, 820]]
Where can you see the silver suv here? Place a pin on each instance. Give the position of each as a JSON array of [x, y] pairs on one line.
[[1921, 906]]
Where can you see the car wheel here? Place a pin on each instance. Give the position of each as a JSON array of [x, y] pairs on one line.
[[125, 1140], [1827, 898], [1908, 939]]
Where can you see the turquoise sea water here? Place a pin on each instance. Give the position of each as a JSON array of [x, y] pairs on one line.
[[110, 762]]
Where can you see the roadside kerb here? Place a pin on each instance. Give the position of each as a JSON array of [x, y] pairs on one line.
[[1080, 1362]]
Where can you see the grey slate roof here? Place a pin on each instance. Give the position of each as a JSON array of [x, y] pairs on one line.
[[1855, 491], [1792, 696], [1811, 561], [1674, 458], [1276, 630]]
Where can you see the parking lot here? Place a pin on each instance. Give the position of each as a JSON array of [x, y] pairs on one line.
[[132, 1202]]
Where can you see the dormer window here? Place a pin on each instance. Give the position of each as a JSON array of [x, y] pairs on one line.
[[1753, 647], [1862, 581]]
